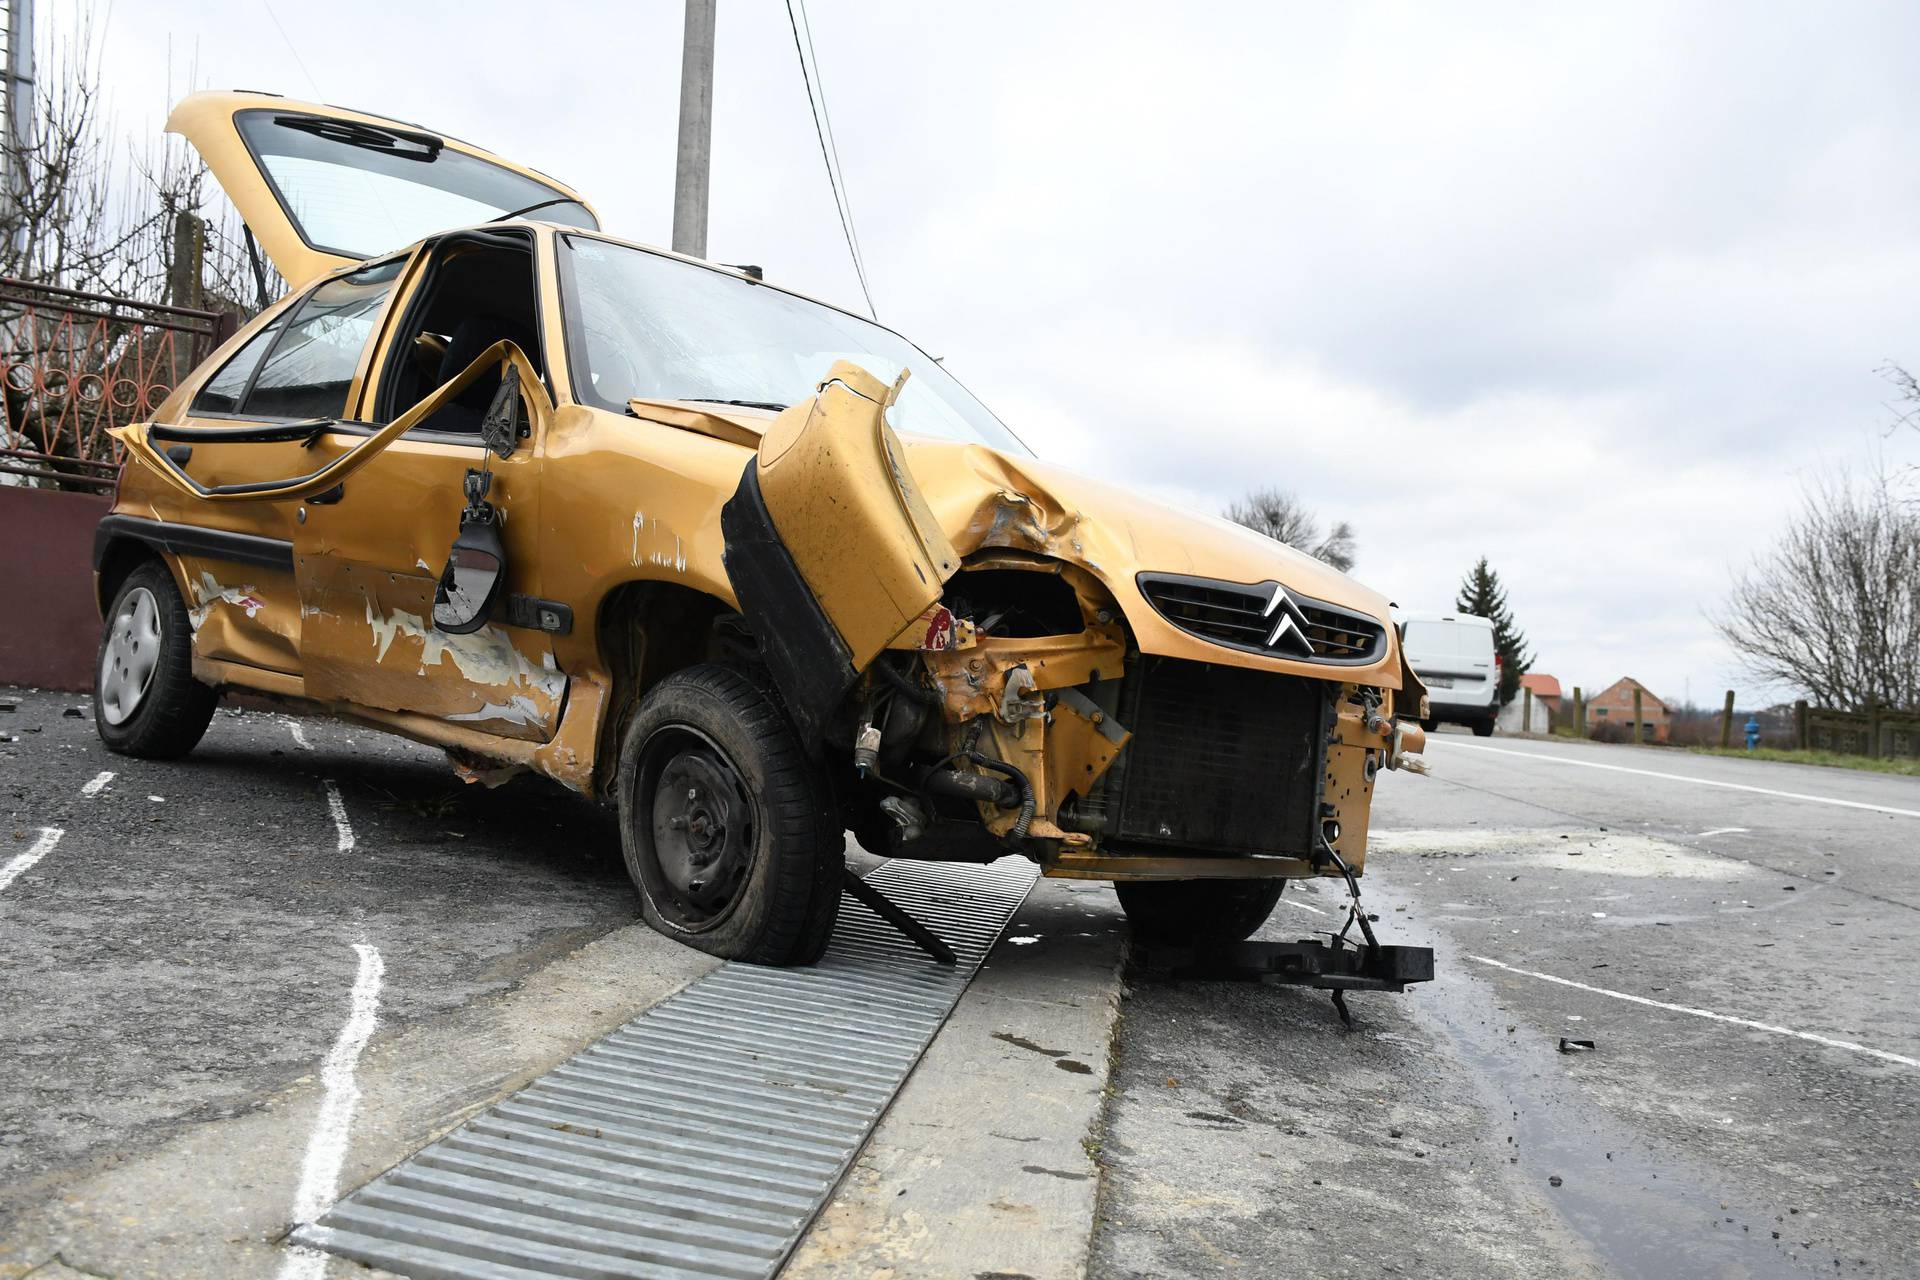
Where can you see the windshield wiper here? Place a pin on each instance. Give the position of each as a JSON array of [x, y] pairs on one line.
[[399, 143], [743, 404]]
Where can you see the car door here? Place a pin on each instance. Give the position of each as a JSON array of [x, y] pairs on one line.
[[300, 366], [368, 558]]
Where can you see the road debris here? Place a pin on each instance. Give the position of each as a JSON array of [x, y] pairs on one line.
[[1568, 1045]]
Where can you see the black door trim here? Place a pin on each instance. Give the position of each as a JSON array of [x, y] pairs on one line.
[[192, 540]]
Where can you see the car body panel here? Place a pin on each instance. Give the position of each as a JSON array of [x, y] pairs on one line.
[[833, 476]]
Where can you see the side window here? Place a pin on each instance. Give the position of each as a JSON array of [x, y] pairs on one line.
[[308, 371], [222, 392]]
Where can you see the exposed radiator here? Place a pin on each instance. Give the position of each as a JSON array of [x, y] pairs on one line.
[[1223, 760]]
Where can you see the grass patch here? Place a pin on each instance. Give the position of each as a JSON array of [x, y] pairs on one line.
[[1828, 759]]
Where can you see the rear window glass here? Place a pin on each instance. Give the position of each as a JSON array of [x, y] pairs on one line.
[[360, 190], [1448, 640]]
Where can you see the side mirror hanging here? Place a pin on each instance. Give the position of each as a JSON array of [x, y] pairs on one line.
[[476, 567]]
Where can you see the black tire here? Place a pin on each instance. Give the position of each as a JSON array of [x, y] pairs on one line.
[[1198, 910], [146, 702], [747, 866], [1483, 728], [1430, 725]]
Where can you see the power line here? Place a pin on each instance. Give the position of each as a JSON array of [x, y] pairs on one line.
[[822, 131], [833, 142], [298, 61]]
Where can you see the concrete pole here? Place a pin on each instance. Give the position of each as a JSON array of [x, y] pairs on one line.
[[1636, 715], [1726, 722], [19, 102], [1526, 710], [696, 132], [1579, 713]]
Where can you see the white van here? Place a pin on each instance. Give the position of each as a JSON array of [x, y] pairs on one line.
[[1453, 653]]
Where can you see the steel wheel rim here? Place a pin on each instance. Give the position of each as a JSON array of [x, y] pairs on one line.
[[699, 829], [131, 656]]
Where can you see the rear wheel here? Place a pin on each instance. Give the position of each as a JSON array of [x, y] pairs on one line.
[[725, 823], [1197, 910], [145, 700], [1483, 728]]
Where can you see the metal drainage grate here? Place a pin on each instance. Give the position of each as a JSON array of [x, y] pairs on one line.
[[701, 1138]]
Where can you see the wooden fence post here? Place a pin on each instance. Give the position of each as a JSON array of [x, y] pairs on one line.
[[189, 256], [1873, 730], [1636, 715], [1579, 713], [1800, 735], [1726, 722]]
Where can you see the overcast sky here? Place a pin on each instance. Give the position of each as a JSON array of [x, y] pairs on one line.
[[1585, 290]]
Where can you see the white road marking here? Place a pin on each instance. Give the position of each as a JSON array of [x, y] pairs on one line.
[[299, 735], [1289, 902], [1705, 1013], [1681, 777], [100, 780], [1721, 831], [338, 808], [20, 862], [327, 1148]]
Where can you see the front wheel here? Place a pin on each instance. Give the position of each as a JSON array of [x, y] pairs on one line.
[[725, 824], [145, 700], [1483, 728], [1183, 911]]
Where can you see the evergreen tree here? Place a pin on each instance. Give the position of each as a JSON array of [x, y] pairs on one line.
[[1482, 596]]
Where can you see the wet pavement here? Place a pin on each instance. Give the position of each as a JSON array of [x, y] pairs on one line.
[[1690, 1141], [1738, 940]]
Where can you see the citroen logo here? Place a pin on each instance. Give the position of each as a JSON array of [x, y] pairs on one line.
[[1289, 623]]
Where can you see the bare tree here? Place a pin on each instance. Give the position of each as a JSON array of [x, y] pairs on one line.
[[1834, 608], [88, 210], [1284, 518]]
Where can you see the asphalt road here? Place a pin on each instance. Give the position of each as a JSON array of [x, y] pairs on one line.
[[1448, 1135], [176, 973], [180, 953]]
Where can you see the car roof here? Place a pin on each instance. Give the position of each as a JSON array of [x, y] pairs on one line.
[[1464, 619]]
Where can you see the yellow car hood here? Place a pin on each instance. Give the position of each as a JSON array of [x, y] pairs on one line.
[[984, 498]]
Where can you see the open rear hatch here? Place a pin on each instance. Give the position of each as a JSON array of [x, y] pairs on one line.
[[320, 187]]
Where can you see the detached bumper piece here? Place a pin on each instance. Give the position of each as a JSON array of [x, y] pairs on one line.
[[1330, 964]]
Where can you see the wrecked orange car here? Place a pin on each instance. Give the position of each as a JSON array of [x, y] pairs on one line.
[[750, 568]]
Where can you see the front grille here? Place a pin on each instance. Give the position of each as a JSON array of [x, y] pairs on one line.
[[1223, 760], [1243, 617]]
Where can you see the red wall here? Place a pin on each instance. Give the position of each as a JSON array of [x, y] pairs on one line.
[[49, 623]]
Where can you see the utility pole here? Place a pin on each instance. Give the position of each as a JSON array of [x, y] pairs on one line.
[[696, 132], [18, 99]]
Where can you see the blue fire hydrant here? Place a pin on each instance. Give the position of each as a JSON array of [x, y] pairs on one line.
[[1753, 732]]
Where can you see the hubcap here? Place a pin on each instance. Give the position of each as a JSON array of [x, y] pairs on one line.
[[702, 823], [132, 654]]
